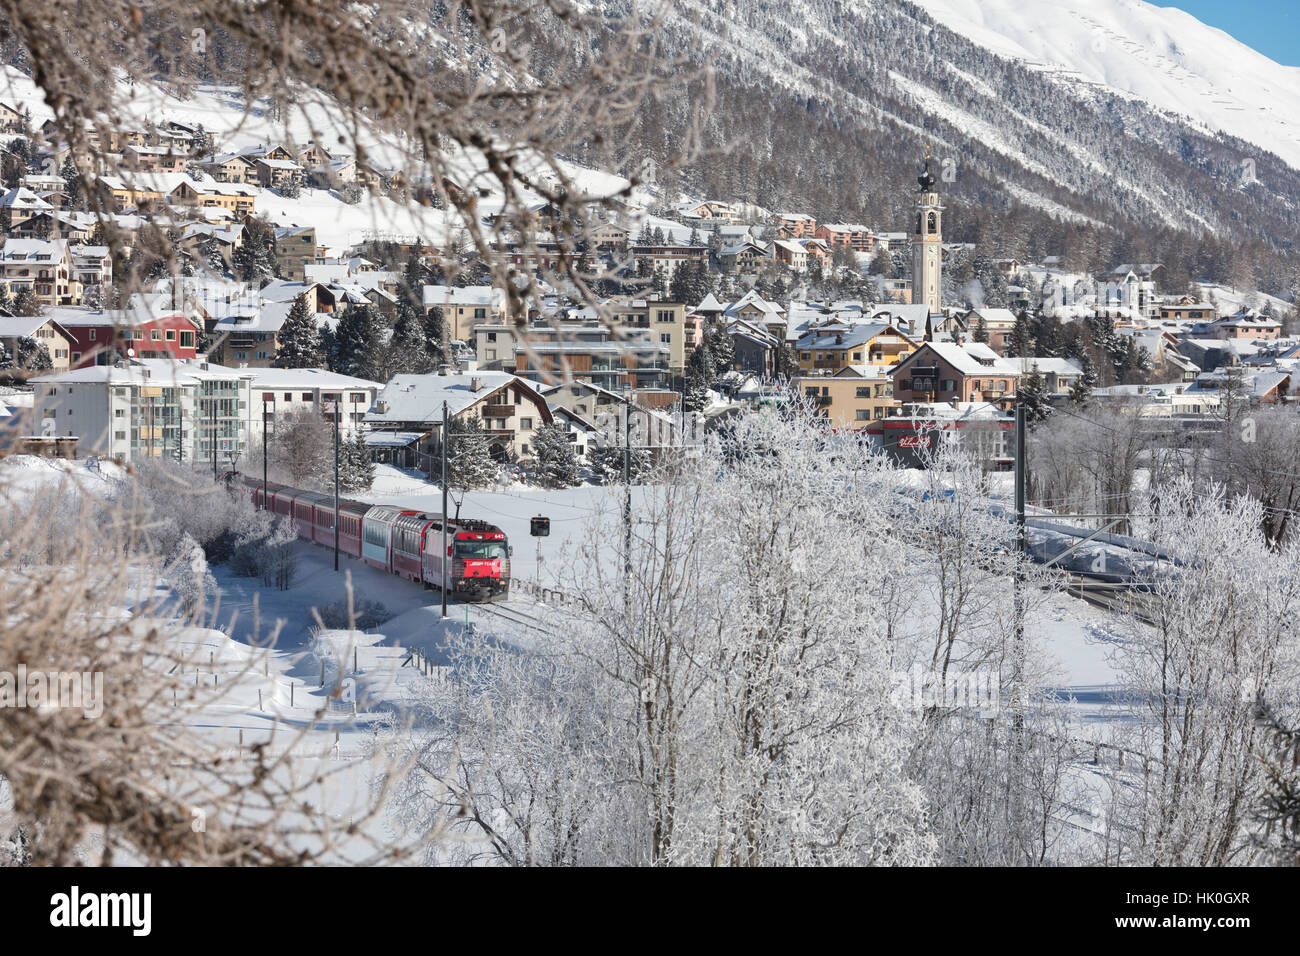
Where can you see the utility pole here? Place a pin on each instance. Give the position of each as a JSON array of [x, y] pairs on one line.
[[445, 433], [265, 430], [1019, 584], [213, 419], [338, 414], [627, 504]]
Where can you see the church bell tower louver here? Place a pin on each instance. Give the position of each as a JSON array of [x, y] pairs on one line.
[[927, 243]]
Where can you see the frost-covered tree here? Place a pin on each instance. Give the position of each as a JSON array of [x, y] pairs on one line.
[[675, 719], [555, 462], [360, 467], [190, 579], [469, 460], [1031, 392], [606, 463], [299, 338], [1204, 642]]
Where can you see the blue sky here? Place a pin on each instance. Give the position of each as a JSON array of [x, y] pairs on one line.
[[1270, 26]]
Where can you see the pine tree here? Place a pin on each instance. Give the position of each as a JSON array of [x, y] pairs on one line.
[[979, 333], [254, 261], [26, 303], [1022, 340], [1081, 390], [1032, 394], [434, 328], [469, 460], [410, 351], [556, 462], [300, 343], [356, 340], [695, 394], [607, 464], [356, 467]]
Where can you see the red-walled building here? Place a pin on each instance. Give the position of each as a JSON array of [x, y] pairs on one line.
[[146, 329]]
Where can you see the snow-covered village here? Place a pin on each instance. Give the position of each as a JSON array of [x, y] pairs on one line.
[[486, 434]]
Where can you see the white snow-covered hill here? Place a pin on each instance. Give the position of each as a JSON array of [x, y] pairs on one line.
[[1161, 55]]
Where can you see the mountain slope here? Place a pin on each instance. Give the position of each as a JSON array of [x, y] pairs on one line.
[[1161, 55], [825, 106]]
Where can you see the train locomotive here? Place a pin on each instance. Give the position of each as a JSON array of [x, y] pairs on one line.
[[401, 541]]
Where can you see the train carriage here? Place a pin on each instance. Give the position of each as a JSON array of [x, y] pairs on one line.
[[377, 537], [305, 505], [409, 531], [351, 514]]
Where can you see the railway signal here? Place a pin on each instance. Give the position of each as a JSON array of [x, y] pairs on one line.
[[539, 527]]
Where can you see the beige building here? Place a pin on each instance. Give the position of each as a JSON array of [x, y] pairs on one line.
[[853, 397], [464, 308], [43, 331]]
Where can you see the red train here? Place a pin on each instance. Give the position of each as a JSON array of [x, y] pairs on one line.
[[400, 540]]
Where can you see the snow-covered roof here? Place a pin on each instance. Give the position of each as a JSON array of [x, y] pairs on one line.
[[419, 398], [23, 198], [146, 372], [306, 378], [1045, 365], [473, 295]]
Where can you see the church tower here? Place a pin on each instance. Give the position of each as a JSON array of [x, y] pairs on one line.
[[927, 243]]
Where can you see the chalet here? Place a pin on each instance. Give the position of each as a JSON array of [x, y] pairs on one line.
[[948, 372], [796, 225], [410, 406], [830, 349], [275, 173], [42, 330], [295, 248], [20, 204], [1187, 309], [744, 256], [998, 325], [11, 118], [465, 307], [1245, 324], [42, 265], [843, 235], [147, 328]]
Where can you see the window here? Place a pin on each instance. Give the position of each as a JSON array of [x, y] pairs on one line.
[[666, 338], [155, 335], [864, 415], [171, 335], [357, 398], [76, 356], [525, 424], [288, 396], [93, 332], [490, 355], [268, 396], [480, 313], [306, 396], [118, 413], [864, 391], [187, 340], [120, 436]]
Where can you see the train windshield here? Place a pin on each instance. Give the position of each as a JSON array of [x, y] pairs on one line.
[[480, 550]]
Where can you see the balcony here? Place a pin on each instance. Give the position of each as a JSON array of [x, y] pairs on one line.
[[498, 411]]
